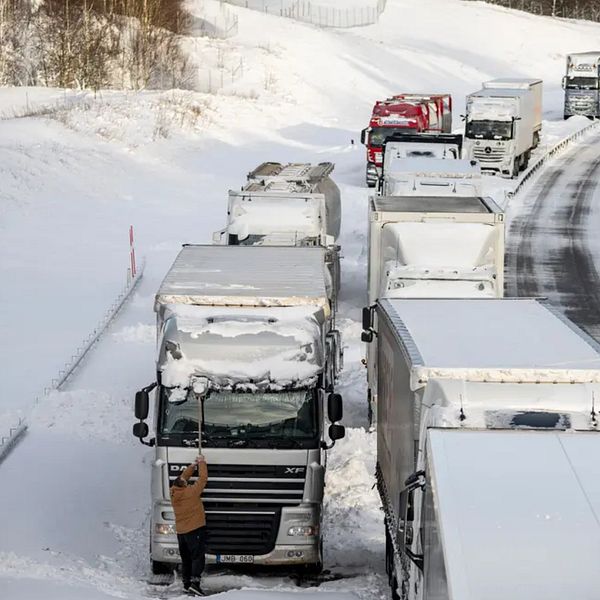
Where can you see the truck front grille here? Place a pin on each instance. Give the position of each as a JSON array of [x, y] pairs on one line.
[[243, 504], [235, 532], [488, 154]]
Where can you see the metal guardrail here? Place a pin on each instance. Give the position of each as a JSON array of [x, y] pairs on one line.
[[15, 433], [556, 149]]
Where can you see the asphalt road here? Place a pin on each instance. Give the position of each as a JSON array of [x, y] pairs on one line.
[[553, 247]]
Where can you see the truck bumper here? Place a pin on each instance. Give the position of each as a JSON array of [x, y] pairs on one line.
[[299, 554], [287, 550]]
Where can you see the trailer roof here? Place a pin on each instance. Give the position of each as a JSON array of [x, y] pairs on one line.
[[492, 339], [508, 82], [436, 204], [245, 276], [518, 512]]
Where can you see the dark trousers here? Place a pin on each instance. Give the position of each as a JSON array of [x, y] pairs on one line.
[[191, 550]]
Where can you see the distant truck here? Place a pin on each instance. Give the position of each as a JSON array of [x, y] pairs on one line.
[[504, 124], [487, 450], [247, 349], [582, 84], [295, 204], [403, 114], [430, 247]]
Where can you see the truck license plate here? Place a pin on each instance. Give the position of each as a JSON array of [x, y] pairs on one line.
[[235, 558]]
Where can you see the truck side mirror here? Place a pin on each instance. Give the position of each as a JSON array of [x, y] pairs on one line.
[[366, 336], [363, 136], [335, 408], [367, 318], [336, 432], [142, 405], [140, 430]]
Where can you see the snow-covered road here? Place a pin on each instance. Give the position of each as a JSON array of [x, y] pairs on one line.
[[553, 245]]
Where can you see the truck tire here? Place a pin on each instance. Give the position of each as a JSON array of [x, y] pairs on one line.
[[162, 568], [516, 167]]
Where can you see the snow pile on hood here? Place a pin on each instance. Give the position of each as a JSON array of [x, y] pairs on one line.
[[242, 348]]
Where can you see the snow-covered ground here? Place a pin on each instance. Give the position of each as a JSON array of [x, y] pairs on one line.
[[75, 492]]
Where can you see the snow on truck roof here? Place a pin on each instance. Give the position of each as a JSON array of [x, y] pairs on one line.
[[518, 512], [491, 340], [245, 276], [435, 204]]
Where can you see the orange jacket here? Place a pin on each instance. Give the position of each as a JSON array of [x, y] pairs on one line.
[[186, 501]]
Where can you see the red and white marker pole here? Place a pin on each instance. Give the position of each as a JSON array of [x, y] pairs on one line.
[[132, 253]]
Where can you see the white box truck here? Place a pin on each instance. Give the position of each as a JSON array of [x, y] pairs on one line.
[[431, 247], [582, 85], [295, 204], [487, 450], [246, 347], [503, 124]]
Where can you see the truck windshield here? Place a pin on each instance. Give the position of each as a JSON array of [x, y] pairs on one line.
[[582, 83], [378, 134], [489, 130], [253, 419]]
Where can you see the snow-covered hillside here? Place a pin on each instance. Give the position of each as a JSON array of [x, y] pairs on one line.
[[74, 493]]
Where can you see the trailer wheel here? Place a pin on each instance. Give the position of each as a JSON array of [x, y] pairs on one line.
[[394, 588], [162, 568]]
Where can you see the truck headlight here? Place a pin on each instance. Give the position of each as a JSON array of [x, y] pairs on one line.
[[164, 529], [303, 530]]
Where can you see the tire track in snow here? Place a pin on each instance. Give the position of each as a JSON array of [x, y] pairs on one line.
[[548, 246]]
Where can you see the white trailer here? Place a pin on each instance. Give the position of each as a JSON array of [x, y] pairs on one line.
[[431, 247], [503, 124], [247, 358], [296, 204], [487, 450], [429, 177]]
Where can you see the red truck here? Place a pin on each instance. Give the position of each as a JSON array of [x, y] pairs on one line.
[[403, 113]]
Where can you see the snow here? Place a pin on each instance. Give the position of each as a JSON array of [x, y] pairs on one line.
[[252, 347], [498, 340], [521, 493], [74, 179]]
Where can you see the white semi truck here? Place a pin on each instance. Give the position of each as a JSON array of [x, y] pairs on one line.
[[487, 450], [247, 347], [582, 85], [431, 247], [296, 204], [503, 124]]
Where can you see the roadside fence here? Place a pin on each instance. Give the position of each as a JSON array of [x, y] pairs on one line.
[[220, 23], [554, 151], [134, 275], [318, 14]]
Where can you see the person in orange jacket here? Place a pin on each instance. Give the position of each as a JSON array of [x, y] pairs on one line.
[[190, 524]]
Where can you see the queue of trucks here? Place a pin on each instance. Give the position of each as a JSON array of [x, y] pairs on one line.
[[484, 406], [503, 123]]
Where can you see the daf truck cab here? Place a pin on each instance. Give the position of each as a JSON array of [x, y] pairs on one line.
[[247, 358]]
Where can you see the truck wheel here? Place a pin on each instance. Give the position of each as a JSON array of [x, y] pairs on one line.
[[394, 588], [515, 167], [161, 568]]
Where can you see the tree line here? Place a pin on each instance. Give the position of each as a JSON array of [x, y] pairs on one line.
[[572, 9], [93, 44]]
